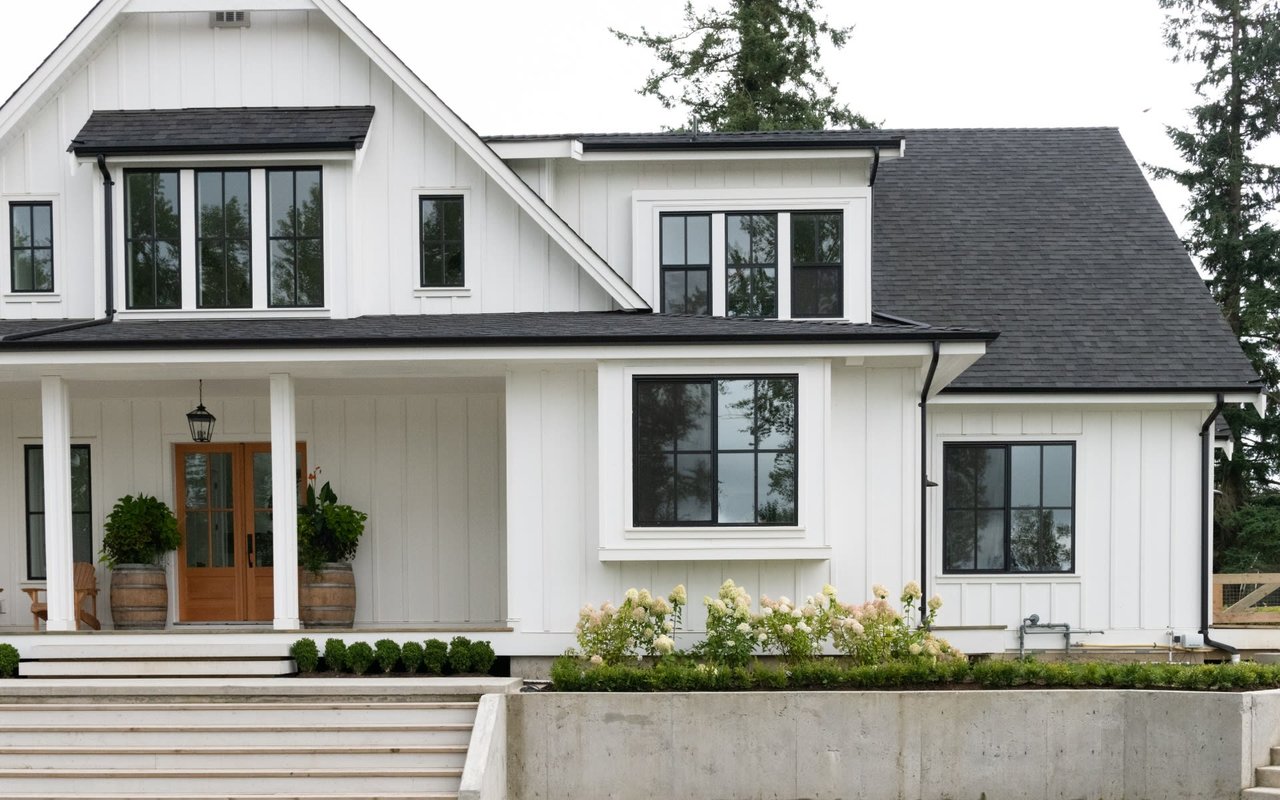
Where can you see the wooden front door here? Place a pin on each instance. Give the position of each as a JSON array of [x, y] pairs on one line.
[[224, 512]]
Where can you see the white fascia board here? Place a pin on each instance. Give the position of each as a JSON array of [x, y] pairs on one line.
[[188, 6], [1185, 399], [536, 148], [198, 160], [822, 153], [470, 142]]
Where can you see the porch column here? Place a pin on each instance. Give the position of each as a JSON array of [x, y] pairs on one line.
[[284, 506], [58, 552]]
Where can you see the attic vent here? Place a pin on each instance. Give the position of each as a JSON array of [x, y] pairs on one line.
[[229, 19]]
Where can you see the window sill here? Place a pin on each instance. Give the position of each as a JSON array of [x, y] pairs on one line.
[[751, 532], [1006, 577], [442, 291], [665, 551], [32, 297]]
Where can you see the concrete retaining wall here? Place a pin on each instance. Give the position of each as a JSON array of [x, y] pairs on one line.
[[943, 744]]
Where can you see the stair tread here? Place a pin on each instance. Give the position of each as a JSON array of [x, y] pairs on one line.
[[237, 727], [239, 772], [266, 706], [339, 749], [226, 796]]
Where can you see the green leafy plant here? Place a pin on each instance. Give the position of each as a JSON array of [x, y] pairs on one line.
[[642, 625], [139, 530], [328, 531], [435, 656], [459, 658], [8, 661], [411, 656], [482, 657], [305, 654], [360, 657], [387, 653], [335, 655]]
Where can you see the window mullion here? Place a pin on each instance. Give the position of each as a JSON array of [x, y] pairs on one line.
[[714, 410]]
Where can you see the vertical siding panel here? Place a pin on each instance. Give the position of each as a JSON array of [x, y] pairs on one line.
[[255, 53], [238, 416], [1037, 598], [1095, 542], [622, 182], [353, 73], [367, 274], [229, 64], [594, 210], [288, 55], [1157, 435], [846, 457], [1185, 491], [499, 279], [148, 450], [562, 480], [48, 161], [116, 452], [105, 75], [1006, 605], [524, 499], [531, 279], [484, 507], [197, 61], [422, 501], [402, 208], [354, 486], [15, 166], [135, 61], [975, 604], [1126, 519], [388, 508], [885, 438], [1066, 603], [13, 551], [320, 84], [451, 471]]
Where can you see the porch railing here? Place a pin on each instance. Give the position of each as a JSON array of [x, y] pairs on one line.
[[1248, 598]]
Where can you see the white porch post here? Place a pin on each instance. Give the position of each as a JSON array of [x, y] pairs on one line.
[[284, 495], [58, 552]]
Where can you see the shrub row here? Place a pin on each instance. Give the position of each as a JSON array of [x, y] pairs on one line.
[[432, 657], [570, 674]]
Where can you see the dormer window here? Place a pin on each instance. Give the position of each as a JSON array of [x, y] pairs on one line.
[[751, 258], [224, 244], [153, 239], [295, 238], [686, 263], [817, 264]]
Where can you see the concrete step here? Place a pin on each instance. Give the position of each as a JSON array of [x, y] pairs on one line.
[[187, 782], [230, 713], [1257, 793], [364, 795], [157, 668], [1267, 777], [364, 758], [194, 735], [152, 650]]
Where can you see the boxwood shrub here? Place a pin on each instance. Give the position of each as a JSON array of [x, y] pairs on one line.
[[305, 654], [8, 661]]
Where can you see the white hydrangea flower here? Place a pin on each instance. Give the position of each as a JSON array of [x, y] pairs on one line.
[[596, 659], [880, 591], [935, 603], [632, 594], [744, 628], [664, 644]]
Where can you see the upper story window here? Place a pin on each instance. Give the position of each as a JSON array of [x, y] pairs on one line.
[[295, 238], [442, 236], [31, 246], [224, 247], [751, 263], [1009, 507], [817, 264], [685, 278], [153, 239]]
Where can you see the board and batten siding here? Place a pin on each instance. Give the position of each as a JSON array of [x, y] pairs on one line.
[[1137, 523], [285, 58], [425, 463]]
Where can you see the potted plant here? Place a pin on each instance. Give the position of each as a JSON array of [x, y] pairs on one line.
[[328, 534], [138, 532]]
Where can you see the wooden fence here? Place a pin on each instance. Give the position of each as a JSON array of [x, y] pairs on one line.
[[1250, 598]]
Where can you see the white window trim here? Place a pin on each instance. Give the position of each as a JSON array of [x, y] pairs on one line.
[[622, 540], [257, 167], [469, 236], [854, 202], [9, 296]]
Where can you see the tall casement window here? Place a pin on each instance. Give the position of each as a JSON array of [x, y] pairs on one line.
[[223, 245], [153, 239], [1009, 507], [751, 265], [686, 263], [715, 450], [442, 233], [31, 247], [81, 508], [295, 238], [817, 264]]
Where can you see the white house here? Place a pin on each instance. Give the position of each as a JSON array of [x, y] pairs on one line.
[[553, 367]]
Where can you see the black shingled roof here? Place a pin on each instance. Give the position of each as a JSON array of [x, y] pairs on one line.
[[223, 130], [1055, 239], [738, 140], [440, 330]]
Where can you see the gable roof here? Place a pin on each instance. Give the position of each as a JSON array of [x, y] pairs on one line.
[[223, 130], [102, 17], [1055, 239]]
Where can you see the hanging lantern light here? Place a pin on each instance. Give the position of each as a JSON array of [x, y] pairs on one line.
[[201, 421]]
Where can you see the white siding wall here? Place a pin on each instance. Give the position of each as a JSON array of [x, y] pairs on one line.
[[286, 58], [426, 463], [1137, 523]]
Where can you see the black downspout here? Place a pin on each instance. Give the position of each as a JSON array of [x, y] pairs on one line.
[[875, 166], [109, 259], [924, 484], [1206, 509]]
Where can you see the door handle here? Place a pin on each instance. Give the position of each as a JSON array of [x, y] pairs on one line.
[[249, 539]]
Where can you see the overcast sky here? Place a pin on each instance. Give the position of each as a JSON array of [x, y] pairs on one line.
[[545, 66]]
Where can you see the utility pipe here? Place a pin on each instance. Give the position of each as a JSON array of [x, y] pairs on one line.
[[924, 482]]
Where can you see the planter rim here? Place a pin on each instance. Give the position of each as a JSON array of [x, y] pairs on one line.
[[137, 566]]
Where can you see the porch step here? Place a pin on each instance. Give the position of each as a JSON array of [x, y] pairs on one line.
[[156, 660], [275, 748]]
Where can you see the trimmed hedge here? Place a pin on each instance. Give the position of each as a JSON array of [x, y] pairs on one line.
[[8, 661], [433, 657], [680, 675], [305, 654]]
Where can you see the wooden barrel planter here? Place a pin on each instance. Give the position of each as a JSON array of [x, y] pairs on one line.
[[327, 597], [139, 597]]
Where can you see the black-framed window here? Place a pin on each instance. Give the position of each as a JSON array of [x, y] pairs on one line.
[[31, 247], [817, 264], [153, 239], [751, 265], [715, 450], [81, 508], [685, 270], [295, 238], [1009, 507], [224, 263], [441, 234]]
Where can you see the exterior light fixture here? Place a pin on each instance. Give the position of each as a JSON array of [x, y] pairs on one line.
[[201, 421]]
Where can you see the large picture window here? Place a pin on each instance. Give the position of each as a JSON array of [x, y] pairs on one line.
[[751, 265], [31, 247], [442, 235], [715, 450], [153, 239], [81, 508], [686, 263], [1009, 507], [295, 238], [223, 245]]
